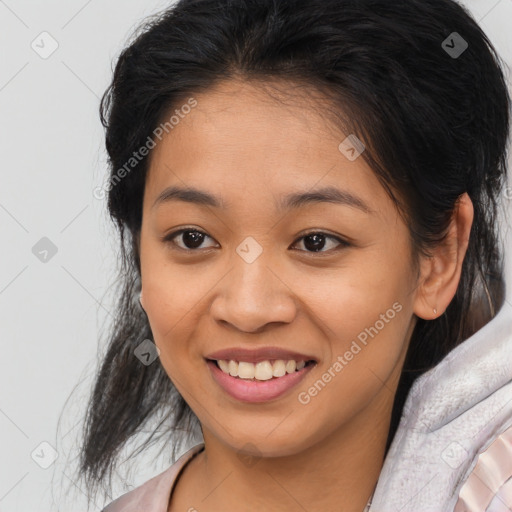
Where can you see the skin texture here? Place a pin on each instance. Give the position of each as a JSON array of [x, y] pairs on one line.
[[250, 149]]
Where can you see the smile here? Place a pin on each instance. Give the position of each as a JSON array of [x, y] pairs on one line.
[[258, 382], [263, 370]]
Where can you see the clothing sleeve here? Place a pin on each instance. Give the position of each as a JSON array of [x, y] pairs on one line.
[[488, 488], [502, 501]]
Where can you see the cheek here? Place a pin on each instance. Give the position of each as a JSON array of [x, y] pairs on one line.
[[171, 298], [366, 329], [364, 311], [353, 298]]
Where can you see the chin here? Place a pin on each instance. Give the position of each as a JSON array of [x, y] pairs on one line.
[[264, 445]]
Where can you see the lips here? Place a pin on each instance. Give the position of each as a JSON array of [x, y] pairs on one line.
[[257, 391], [264, 386], [258, 355]]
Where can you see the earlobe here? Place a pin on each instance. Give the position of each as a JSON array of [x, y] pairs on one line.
[[440, 273], [426, 303]]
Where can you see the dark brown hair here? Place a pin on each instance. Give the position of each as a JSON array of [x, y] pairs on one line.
[[435, 125]]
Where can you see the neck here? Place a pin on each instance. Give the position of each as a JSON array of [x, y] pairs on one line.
[[337, 473]]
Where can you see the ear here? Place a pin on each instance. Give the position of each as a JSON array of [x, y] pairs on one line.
[[440, 273]]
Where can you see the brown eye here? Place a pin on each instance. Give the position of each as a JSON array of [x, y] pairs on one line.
[[191, 238], [316, 241]]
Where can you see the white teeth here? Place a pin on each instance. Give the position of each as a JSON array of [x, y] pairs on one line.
[[246, 370], [233, 368], [291, 365], [279, 368], [264, 370], [224, 365]]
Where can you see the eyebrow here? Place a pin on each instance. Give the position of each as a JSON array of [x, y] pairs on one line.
[[294, 200]]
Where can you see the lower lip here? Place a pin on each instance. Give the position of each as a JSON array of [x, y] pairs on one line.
[[257, 390]]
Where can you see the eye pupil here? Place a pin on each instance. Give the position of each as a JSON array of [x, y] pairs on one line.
[[318, 242], [196, 239]]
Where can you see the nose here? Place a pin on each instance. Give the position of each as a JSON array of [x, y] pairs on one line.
[[253, 295]]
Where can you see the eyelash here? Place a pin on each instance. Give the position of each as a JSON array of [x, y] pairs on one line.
[[169, 239]]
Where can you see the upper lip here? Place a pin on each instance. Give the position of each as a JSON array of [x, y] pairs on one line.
[[257, 355]]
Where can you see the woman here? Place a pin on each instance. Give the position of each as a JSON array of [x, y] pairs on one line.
[[307, 196]]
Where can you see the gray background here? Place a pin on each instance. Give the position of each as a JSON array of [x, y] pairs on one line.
[[52, 159]]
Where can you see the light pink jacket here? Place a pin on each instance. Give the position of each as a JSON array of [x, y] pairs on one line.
[[488, 488], [153, 495]]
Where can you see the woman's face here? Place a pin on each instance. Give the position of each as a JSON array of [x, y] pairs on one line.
[[250, 273]]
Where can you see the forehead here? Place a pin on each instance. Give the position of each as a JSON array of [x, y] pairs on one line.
[[253, 139], [243, 114]]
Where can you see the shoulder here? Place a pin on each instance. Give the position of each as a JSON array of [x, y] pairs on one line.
[[489, 485], [153, 495]]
